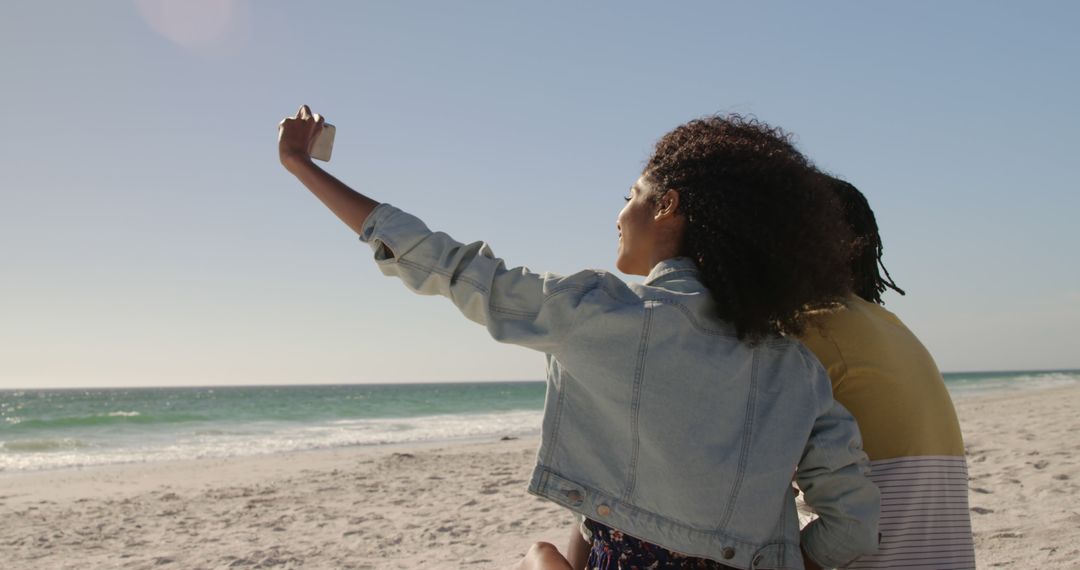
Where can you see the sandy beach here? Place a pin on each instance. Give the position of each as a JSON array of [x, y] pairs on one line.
[[1024, 473], [463, 505]]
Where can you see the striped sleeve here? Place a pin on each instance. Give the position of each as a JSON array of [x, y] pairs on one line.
[[925, 521]]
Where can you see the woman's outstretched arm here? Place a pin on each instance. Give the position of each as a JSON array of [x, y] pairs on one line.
[[516, 305], [295, 138]]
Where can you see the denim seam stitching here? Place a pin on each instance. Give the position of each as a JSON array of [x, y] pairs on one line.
[[513, 312], [543, 483], [485, 290], [635, 402], [448, 274], [533, 314], [784, 524], [748, 425], [555, 422]]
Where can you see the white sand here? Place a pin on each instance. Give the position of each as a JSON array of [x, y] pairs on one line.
[[1024, 478], [462, 505], [433, 507]]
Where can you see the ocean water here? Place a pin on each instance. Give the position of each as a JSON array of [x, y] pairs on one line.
[[966, 384], [48, 429], [52, 429]]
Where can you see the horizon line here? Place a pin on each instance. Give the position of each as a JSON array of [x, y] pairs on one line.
[[431, 382]]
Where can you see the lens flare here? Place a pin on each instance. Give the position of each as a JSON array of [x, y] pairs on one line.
[[193, 24]]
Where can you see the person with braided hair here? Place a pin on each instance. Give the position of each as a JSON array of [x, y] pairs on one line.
[[677, 408], [867, 281], [888, 380]]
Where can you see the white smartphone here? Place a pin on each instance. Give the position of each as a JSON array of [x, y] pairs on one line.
[[324, 143]]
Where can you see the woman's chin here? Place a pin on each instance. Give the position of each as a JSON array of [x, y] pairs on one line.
[[621, 263], [627, 266]]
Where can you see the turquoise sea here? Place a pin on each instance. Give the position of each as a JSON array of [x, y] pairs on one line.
[[51, 429]]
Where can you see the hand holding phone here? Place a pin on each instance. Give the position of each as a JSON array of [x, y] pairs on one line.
[[324, 143], [303, 137]]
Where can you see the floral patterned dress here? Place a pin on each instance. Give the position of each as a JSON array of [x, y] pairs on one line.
[[613, 550]]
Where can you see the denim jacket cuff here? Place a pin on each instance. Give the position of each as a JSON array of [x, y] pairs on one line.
[[375, 219], [392, 233], [829, 551]]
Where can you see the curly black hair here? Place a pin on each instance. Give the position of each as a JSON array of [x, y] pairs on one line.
[[867, 249], [761, 223]]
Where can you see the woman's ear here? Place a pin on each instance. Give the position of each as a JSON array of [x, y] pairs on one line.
[[667, 205]]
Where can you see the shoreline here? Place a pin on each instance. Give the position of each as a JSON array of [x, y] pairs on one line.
[[40, 484], [359, 450], [946, 373], [463, 504], [961, 399]]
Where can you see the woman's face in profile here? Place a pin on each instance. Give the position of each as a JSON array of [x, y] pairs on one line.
[[636, 227]]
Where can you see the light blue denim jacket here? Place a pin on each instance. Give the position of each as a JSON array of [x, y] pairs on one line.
[[658, 421]]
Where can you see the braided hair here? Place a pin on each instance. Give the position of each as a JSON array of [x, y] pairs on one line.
[[867, 281], [761, 223]]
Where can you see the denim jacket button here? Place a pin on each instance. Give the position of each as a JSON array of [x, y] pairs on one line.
[[573, 496], [728, 553], [603, 510]]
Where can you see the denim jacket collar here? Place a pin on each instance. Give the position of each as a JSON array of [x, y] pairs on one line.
[[670, 267]]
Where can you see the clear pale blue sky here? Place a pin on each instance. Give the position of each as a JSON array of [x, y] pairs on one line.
[[148, 235]]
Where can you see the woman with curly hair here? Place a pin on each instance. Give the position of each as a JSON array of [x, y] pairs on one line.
[[677, 409]]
